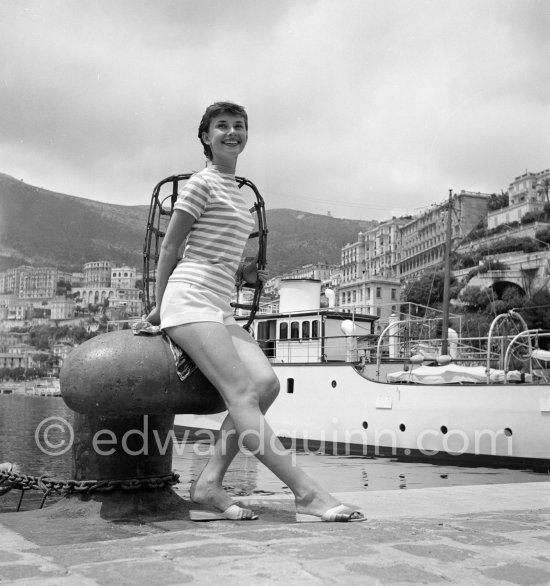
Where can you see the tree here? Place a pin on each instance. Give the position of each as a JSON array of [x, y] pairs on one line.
[[536, 311], [63, 287], [428, 290], [497, 201], [17, 373], [475, 297]]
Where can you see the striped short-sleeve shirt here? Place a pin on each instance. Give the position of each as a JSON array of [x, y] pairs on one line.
[[212, 251]]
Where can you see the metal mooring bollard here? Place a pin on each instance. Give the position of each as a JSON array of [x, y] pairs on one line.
[[125, 393]]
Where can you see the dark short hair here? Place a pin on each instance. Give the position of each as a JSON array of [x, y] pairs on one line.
[[214, 110]]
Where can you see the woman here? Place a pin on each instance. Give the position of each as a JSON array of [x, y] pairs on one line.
[[193, 295]]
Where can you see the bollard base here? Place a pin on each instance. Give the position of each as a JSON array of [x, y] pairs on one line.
[[102, 517], [140, 506]]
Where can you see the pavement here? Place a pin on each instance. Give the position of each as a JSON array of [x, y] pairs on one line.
[[475, 535]]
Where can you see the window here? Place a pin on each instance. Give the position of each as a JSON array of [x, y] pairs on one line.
[[378, 292], [305, 330], [394, 294], [295, 330], [283, 331], [315, 329]]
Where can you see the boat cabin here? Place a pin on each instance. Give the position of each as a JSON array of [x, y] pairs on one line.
[[303, 331]]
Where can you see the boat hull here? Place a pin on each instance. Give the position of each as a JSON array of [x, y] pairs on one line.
[[332, 407]]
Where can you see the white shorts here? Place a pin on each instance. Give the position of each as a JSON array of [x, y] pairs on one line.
[[184, 303]]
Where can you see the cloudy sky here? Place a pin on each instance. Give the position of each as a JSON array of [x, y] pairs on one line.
[[364, 108]]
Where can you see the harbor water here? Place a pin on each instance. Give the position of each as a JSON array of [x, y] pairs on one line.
[[35, 434]]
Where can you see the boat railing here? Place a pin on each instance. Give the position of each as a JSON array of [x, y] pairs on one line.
[[517, 352]]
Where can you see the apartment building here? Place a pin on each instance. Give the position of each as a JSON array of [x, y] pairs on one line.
[[123, 277], [367, 284], [97, 274], [527, 193], [27, 282], [423, 238], [383, 248]]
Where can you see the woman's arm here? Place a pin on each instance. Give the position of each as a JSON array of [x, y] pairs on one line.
[[176, 233]]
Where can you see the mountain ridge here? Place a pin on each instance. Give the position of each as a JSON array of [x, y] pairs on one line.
[[40, 227]]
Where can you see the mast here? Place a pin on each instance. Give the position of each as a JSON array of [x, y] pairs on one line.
[[447, 280]]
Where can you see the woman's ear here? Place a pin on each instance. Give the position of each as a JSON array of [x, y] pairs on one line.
[[205, 138]]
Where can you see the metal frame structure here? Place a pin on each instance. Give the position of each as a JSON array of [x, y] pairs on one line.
[[160, 211]]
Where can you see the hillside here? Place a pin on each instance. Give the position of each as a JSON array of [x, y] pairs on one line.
[[43, 228]]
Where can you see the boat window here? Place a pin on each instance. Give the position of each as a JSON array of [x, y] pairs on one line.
[[283, 331], [315, 329], [295, 330], [305, 329]]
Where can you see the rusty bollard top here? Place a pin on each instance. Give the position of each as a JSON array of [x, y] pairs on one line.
[[119, 373]]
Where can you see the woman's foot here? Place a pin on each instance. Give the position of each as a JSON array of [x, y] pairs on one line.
[[214, 504], [213, 494], [338, 514], [319, 505]]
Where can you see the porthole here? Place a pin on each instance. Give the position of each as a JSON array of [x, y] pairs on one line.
[[444, 429], [402, 427], [365, 425], [333, 384], [508, 432]]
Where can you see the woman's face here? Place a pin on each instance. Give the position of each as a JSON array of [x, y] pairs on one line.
[[227, 137]]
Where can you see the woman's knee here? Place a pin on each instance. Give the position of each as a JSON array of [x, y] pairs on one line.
[[268, 391], [245, 397]]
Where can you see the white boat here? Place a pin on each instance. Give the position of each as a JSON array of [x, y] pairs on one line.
[[345, 389]]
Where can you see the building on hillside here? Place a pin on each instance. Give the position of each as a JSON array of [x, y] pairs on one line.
[[27, 282], [110, 286], [321, 271], [17, 311], [61, 308], [353, 261], [12, 361], [13, 339], [129, 300], [97, 274], [383, 248], [123, 277], [366, 282], [61, 351], [90, 295], [527, 193], [376, 295], [4, 311], [423, 238], [21, 349], [77, 279]]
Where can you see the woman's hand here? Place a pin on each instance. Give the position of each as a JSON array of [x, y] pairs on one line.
[[262, 275], [251, 274], [154, 316]]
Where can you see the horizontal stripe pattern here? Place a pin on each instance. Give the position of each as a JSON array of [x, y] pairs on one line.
[[215, 243]]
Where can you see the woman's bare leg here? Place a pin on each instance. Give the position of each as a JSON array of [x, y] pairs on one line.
[[213, 349], [208, 487]]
